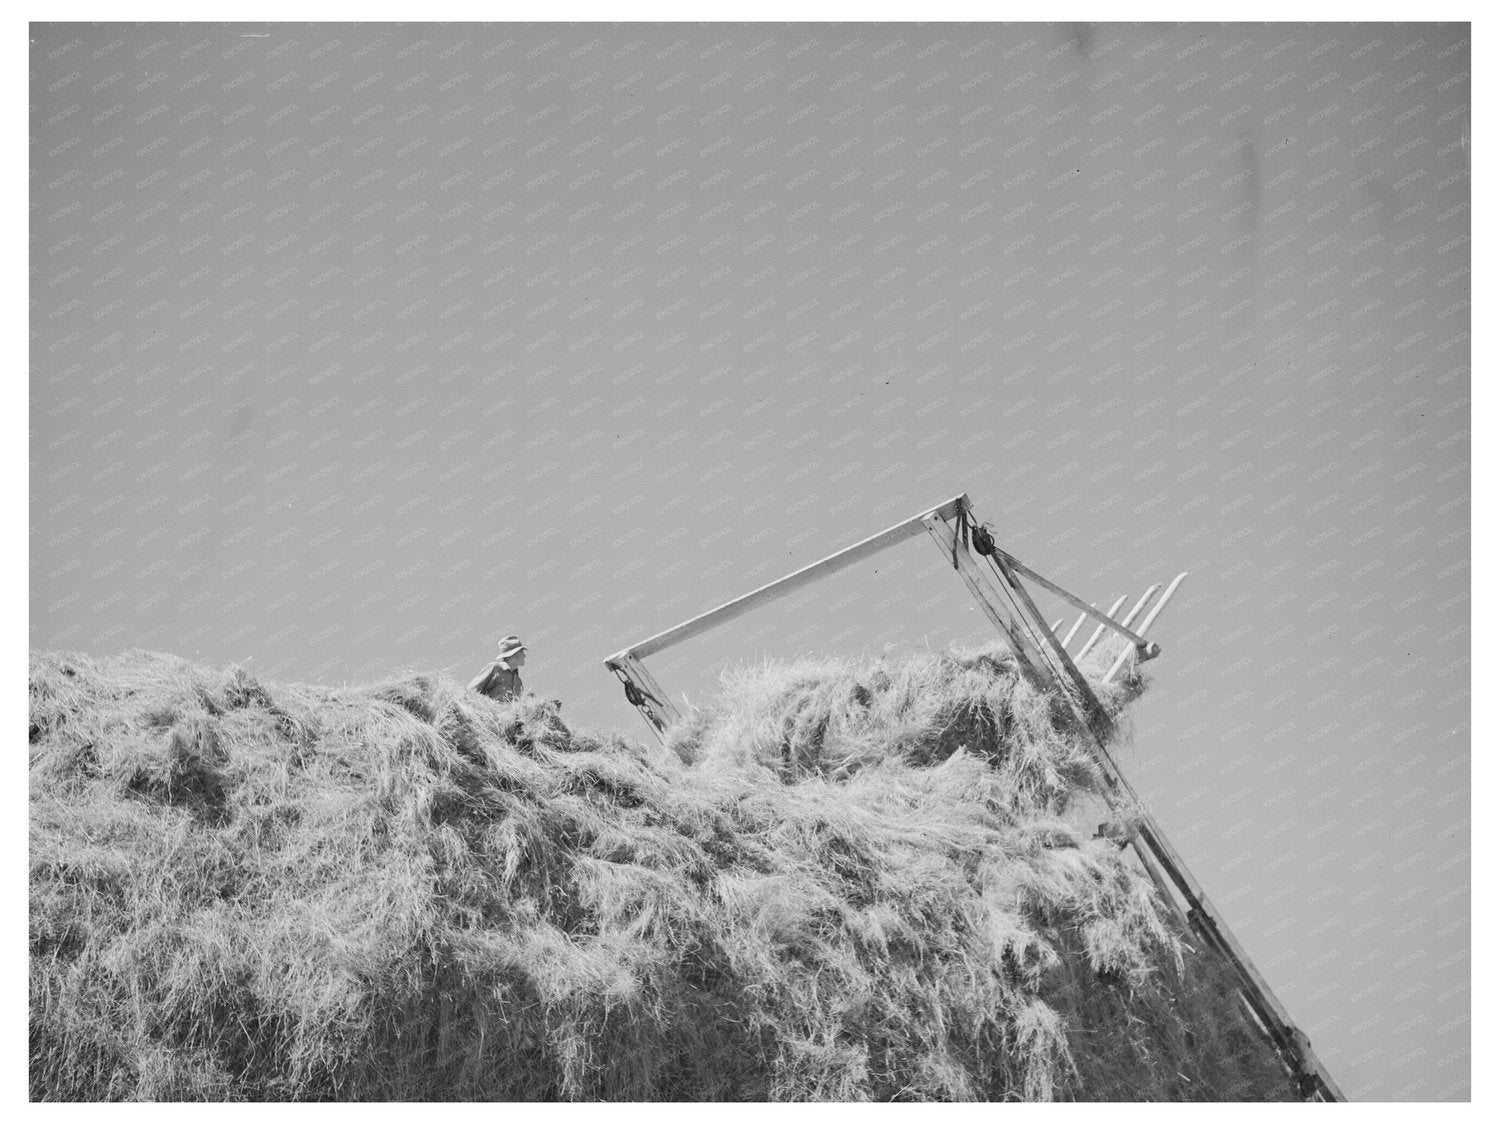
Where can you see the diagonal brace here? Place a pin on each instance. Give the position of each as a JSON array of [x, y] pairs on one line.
[[1148, 649]]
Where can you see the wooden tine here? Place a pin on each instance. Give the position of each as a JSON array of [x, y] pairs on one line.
[[1057, 624], [1135, 611], [1098, 631], [1150, 617], [1068, 639]]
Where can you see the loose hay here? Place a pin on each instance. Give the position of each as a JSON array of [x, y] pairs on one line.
[[850, 881]]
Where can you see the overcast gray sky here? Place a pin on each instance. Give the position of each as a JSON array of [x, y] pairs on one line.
[[357, 347]]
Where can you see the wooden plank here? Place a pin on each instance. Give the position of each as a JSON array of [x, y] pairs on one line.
[[1098, 632], [1145, 624], [1028, 656], [1151, 867], [1078, 603], [792, 582]]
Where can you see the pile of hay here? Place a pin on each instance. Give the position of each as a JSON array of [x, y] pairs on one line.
[[850, 881]]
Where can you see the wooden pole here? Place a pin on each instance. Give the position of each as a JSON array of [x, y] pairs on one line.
[[1072, 632], [792, 582], [1093, 639]]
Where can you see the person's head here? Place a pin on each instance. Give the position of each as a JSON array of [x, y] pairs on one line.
[[512, 651]]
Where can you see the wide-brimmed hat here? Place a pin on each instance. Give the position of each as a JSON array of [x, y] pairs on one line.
[[510, 646]]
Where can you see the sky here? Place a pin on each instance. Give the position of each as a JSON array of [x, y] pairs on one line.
[[357, 347]]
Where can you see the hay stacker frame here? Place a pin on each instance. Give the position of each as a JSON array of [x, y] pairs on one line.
[[1042, 656]]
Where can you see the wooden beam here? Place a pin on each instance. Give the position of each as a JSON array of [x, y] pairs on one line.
[[781, 587], [1076, 602]]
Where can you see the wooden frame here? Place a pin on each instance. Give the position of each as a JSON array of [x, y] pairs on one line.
[[656, 707], [1043, 659], [1046, 662]]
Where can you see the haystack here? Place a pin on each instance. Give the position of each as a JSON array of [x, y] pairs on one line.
[[841, 880]]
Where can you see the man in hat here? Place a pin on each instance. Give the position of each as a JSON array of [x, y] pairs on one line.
[[502, 680]]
